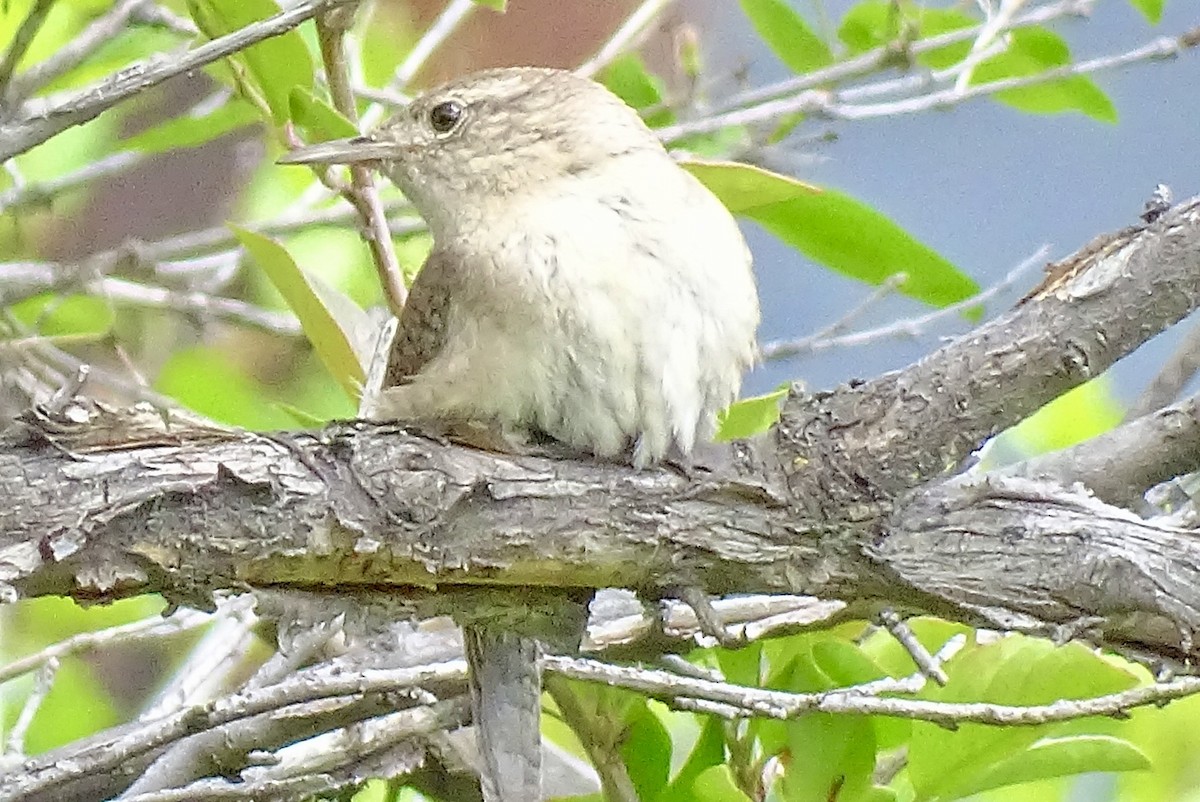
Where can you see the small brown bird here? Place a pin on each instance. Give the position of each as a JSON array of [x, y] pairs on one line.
[[582, 287]]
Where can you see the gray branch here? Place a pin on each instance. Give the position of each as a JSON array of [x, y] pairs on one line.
[[847, 499], [39, 121]]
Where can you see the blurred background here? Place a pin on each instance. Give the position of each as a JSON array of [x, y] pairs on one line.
[[981, 183]]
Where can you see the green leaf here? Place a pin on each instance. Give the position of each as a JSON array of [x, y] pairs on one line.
[[716, 145], [275, 65], [1059, 757], [58, 316], [741, 666], [868, 25], [788, 36], [1151, 9], [188, 131], [376, 790], [627, 78], [847, 664], [332, 340], [646, 751], [1077, 415], [318, 119], [877, 24], [716, 784], [305, 419], [618, 719], [708, 751], [204, 380], [1033, 51], [744, 188], [495, 5], [791, 668], [749, 416], [1012, 671], [832, 757], [835, 230]]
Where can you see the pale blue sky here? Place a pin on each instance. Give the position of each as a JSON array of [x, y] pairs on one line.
[[983, 184]]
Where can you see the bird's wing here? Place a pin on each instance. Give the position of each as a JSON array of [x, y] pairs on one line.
[[422, 329]]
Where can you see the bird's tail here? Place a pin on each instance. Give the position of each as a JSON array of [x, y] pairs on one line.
[[506, 689]]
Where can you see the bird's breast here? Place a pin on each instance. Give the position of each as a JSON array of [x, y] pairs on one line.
[[616, 313]]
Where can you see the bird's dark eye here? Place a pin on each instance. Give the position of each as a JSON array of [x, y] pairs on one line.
[[445, 115]]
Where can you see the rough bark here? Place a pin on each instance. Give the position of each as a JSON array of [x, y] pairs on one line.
[[856, 495]]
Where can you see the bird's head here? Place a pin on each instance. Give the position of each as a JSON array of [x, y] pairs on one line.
[[490, 137]]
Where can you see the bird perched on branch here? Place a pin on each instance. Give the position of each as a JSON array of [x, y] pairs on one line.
[[582, 288]]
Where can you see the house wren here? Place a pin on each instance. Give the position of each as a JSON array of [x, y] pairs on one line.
[[582, 286]]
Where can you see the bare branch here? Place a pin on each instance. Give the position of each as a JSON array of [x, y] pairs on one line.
[[99, 32], [836, 105], [1179, 369], [21, 41], [38, 123], [331, 33], [1120, 465], [739, 701], [625, 37], [946, 405], [53, 769]]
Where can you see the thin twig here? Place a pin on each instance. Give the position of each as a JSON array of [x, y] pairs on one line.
[[161, 258], [39, 122], [631, 30], [196, 304], [884, 291], [982, 48], [902, 632], [908, 327], [41, 193], [47, 771], [158, 16], [15, 743], [830, 104], [453, 15], [874, 60], [150, 627], [22, 39], [42, 352], [759, 702], [70, 55], [207, 667], [331, 33], [1160, 48]]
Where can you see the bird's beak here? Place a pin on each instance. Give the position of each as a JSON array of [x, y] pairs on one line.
[[341, 151]]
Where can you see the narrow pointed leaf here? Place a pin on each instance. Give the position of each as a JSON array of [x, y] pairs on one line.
[[749, 416], [835, 230], [332, 341], [787, 34]]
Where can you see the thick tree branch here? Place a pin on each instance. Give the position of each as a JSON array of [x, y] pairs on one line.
[[835, 503], [907, 427], [1121, 465]]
